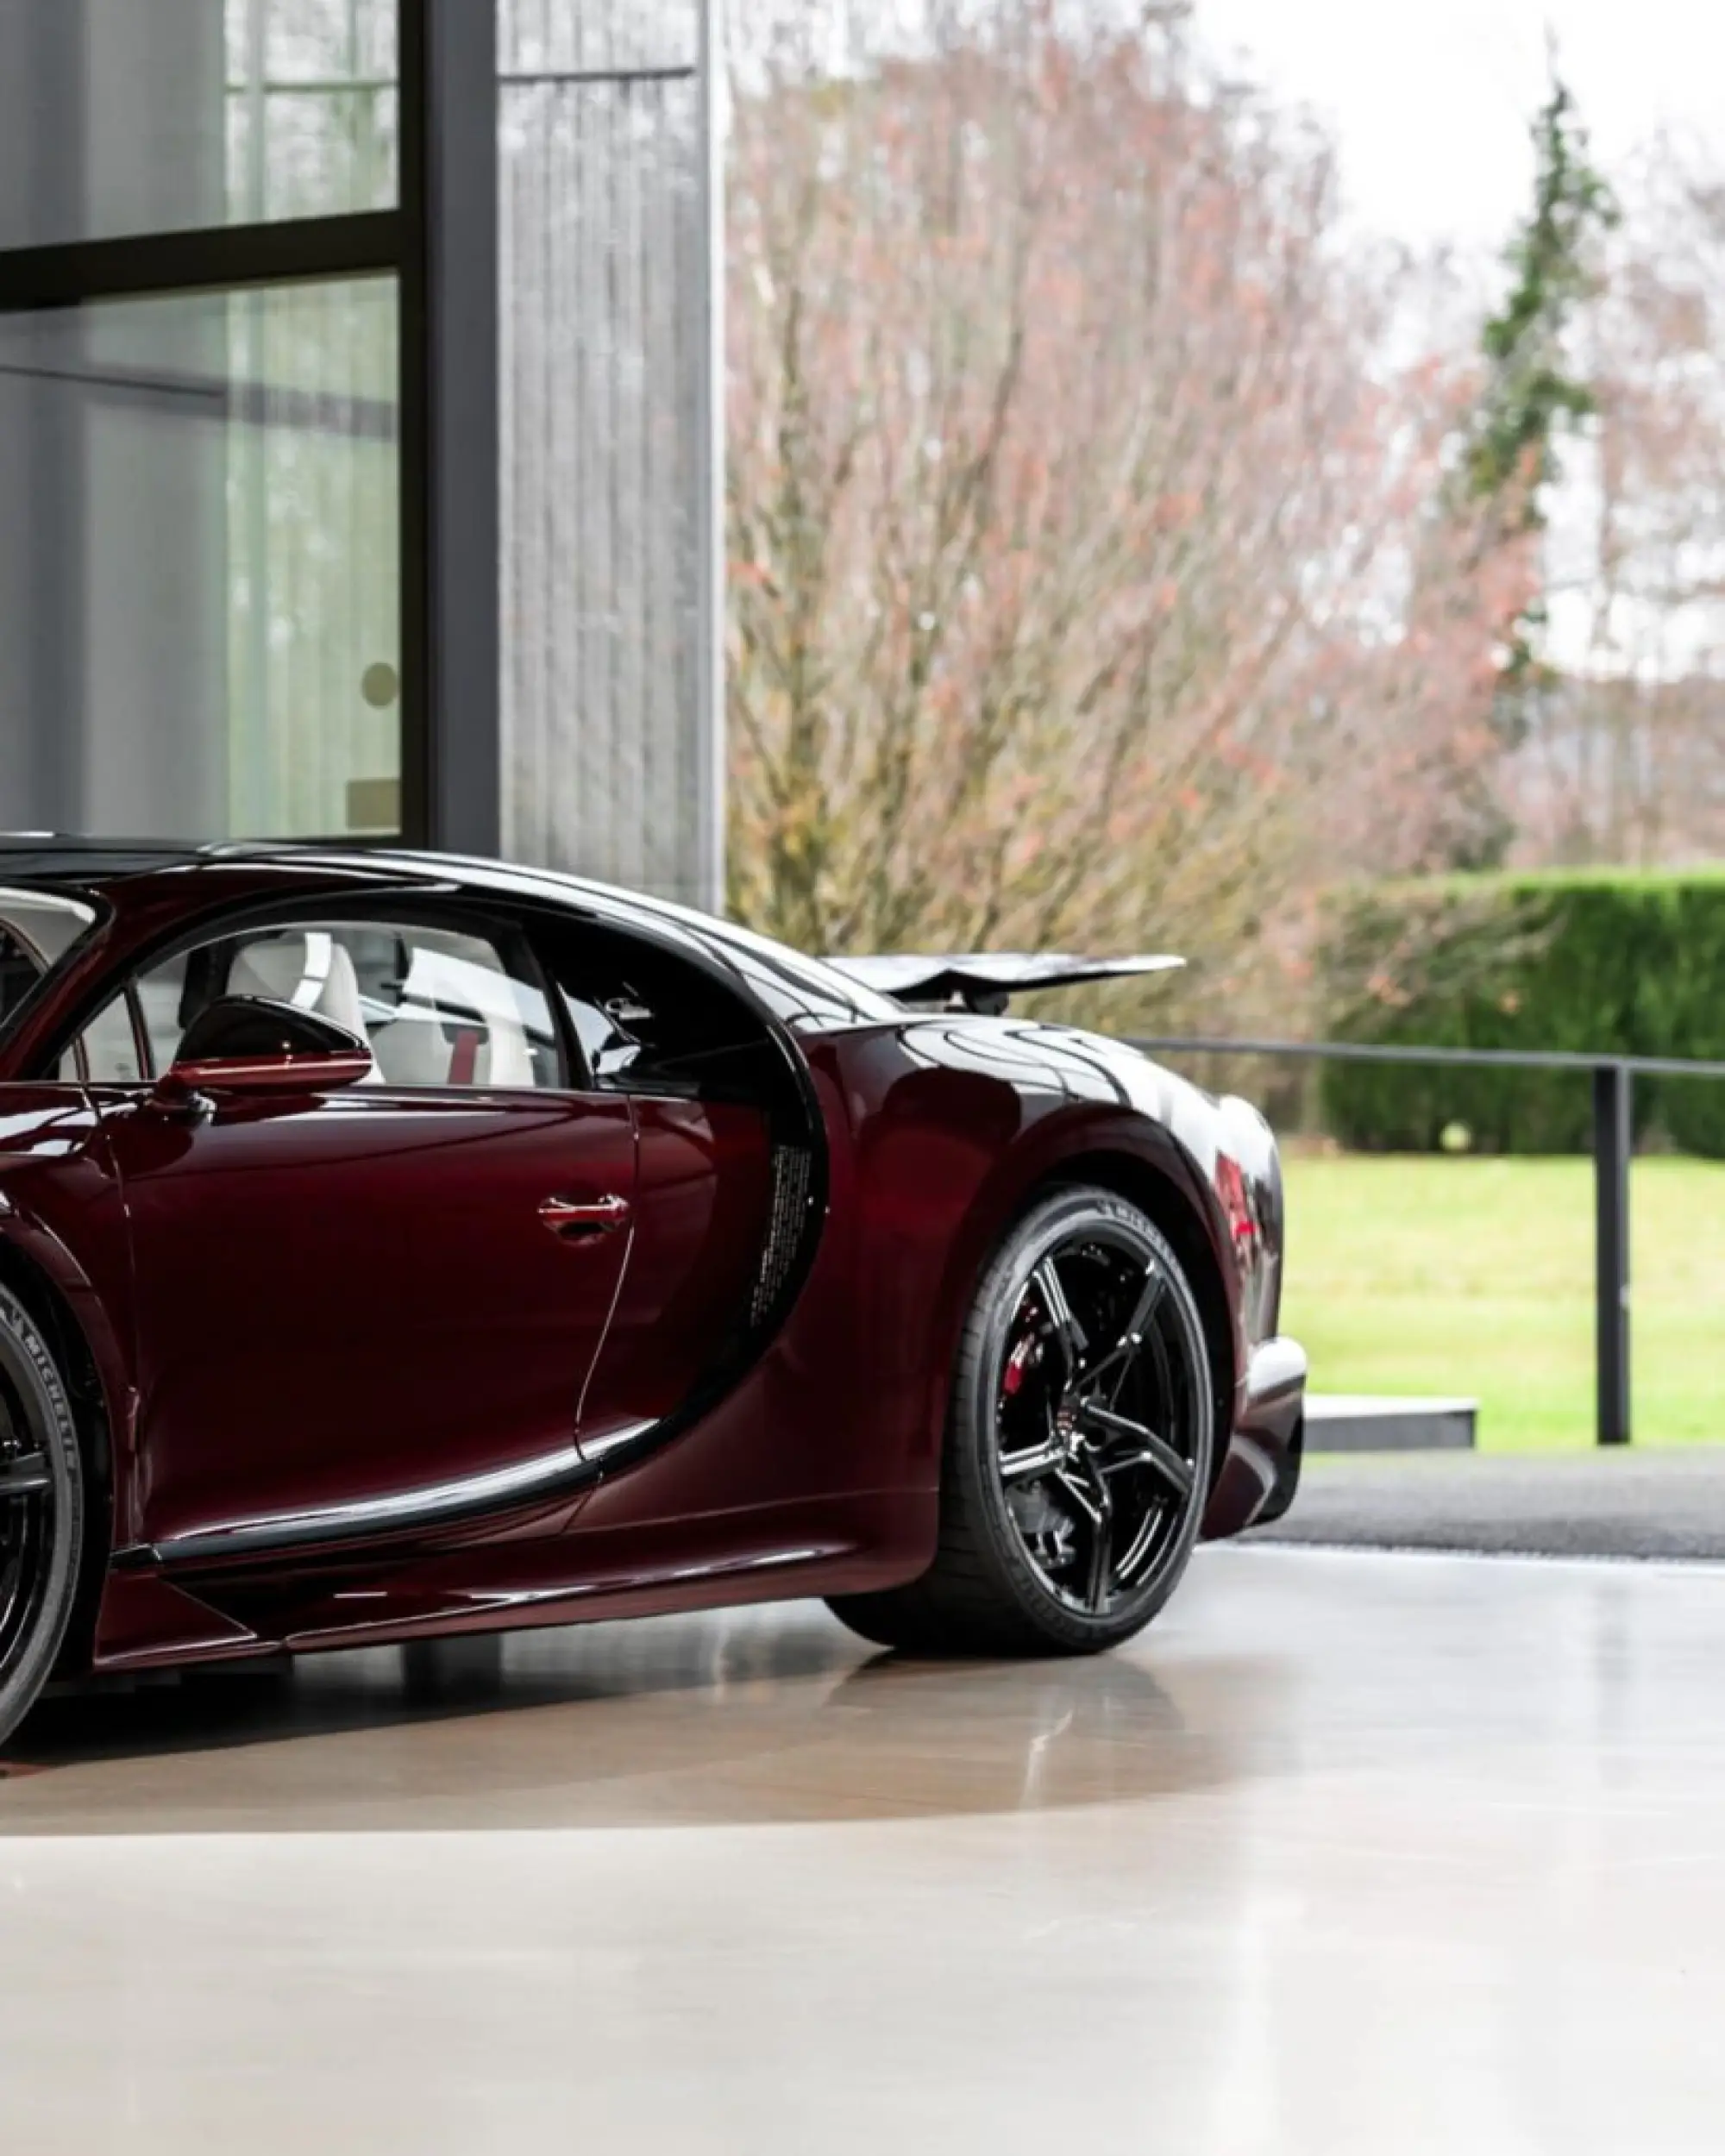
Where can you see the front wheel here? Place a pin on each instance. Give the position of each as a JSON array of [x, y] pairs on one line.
[[1079, 1445], [41, 1512]]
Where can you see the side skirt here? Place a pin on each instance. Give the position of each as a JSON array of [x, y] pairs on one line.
[[778, 1553]]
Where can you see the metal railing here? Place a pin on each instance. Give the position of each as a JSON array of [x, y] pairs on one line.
[[1614, 1085]]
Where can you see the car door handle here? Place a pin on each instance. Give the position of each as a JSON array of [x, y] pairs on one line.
[[573, 1218]]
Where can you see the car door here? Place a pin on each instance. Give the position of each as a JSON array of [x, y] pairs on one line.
[[359, 1310], [717, 1115]]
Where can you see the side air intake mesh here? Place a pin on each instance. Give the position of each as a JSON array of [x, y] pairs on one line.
[[792, 1168]]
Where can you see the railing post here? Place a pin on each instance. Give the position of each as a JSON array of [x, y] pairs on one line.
[[1613, 1141]]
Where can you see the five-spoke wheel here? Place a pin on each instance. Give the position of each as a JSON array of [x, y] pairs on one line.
[[1098, 1410], [1079, 1443]]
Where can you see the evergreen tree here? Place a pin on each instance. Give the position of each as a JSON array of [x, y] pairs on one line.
[[1532, 396]]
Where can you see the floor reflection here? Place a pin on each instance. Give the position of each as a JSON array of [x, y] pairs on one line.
[[771, 1715], [1348, 1855]]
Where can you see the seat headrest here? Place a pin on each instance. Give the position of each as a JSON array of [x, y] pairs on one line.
[[310, 970]]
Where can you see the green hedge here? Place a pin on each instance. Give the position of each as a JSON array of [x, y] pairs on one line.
[[1596, 962]]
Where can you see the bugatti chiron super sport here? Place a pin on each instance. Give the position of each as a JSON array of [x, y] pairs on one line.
[[393, 1245]]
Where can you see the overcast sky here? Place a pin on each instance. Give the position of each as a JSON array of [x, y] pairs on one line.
[[1430, 99]]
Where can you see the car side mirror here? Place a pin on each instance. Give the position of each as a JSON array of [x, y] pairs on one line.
[[243, 1044]]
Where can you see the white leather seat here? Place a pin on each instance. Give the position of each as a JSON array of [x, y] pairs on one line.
[[506, 1059], [459, 1024], [421, 1045], [310, 971], [415, 1049], [411, 1051]]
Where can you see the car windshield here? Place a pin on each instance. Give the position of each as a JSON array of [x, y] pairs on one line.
[[37, 929]]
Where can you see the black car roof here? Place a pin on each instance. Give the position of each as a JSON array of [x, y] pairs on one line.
[[56, 857], [49, 857], [87, 863]]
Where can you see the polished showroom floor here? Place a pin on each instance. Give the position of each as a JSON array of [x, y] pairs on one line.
[[1376, 1853]]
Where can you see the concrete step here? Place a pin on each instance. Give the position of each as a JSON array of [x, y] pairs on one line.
[[1360, 1422]]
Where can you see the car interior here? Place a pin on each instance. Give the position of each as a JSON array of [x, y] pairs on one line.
[[439, 1007]]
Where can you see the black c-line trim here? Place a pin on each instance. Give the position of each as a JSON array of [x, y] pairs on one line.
[[365, 1519]]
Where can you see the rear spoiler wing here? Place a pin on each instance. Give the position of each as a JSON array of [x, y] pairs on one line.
[[980, 981]]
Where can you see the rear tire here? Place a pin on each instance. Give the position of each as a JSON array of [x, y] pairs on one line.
[[1078, 1447], [41, 1512]]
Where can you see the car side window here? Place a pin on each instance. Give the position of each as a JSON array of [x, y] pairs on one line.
[[443, 1008], [160, 994], [136, 1034], [440, 1007], [649, 1021], [19, 972], [111, 1047], [37, 929]]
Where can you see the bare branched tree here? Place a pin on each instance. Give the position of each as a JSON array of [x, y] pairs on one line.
[[1095, 577]]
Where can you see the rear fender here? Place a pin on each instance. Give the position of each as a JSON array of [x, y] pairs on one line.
[[1058, 1142]]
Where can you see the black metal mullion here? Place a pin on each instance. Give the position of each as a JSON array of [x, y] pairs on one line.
[[451, 525], [296, 250], [413, 480], [54, 455]]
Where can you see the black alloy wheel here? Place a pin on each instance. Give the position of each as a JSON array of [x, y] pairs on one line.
[[1079, 1447], [41, 1512]]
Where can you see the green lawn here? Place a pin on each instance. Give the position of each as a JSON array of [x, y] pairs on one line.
[[1476, 1277]]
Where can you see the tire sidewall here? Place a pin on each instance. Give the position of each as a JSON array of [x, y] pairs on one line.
[[29, 1367], [973, 1434]]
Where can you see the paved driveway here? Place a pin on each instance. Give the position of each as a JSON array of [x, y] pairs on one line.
[[1615, 1504]]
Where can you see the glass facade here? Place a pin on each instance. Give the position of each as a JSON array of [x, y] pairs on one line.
[[200, 560], [200, 491], [312, 108], [123, 118], [357, 445]]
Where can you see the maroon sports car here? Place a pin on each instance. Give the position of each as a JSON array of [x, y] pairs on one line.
[[392, 1245]]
